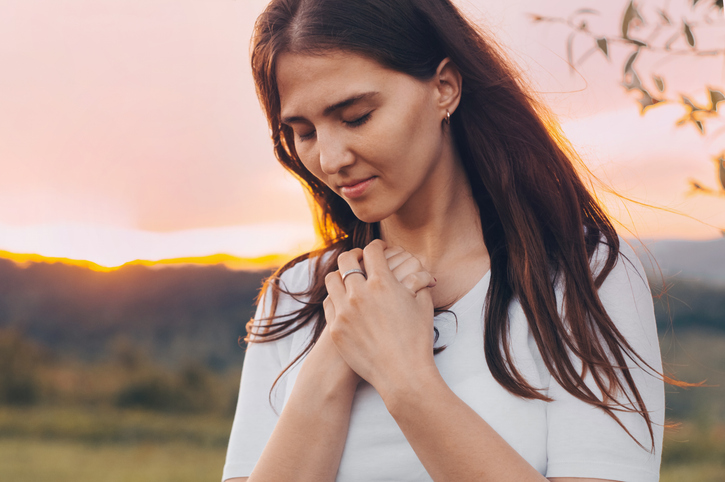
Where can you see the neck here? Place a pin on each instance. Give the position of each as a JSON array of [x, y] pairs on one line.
[[440, 225]]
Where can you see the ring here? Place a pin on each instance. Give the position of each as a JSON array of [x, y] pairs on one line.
[[352, 271]]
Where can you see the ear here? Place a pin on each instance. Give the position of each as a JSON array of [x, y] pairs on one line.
[[448, 82]]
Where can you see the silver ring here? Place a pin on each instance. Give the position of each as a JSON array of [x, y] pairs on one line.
[[352, 271]]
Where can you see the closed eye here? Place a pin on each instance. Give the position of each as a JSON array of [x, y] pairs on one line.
[[358, 122], [355, 123]]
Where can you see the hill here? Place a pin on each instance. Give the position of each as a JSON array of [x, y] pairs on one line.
[[695, 260], [197, 313], [190, 313]]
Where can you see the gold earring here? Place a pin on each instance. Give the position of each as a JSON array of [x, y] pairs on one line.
[[447, 120]]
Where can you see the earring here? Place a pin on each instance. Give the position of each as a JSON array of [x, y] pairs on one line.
[[447, 120]]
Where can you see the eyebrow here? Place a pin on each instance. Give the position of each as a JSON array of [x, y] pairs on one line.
[[334, 107]]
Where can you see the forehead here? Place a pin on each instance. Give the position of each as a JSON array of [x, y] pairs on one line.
[[311, 82]]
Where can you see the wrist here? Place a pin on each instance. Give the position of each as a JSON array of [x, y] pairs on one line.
[[397, 394], [329, 381]]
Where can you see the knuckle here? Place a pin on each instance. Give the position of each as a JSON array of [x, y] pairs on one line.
[[335, 332], [343, 314], [376, 244]]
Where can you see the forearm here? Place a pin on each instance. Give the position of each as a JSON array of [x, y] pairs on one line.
[[451, 440], [309, 437]]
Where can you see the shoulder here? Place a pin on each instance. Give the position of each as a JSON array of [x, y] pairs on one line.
[[627, 277], [287, 290], [301, 276]]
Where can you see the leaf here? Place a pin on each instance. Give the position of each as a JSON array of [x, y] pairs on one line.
[[647, 101], [672, 40], [631, 18], [636, 42], [630, 62], [688, 34], [603, 46], [699, 126], [721, 162], [665, 18], [716, 97], [659, 82], [696, 186], [690, 104], [694, 2], [719, 4], [631, 81]]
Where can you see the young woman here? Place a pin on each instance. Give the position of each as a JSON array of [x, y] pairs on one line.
[[473, 315]]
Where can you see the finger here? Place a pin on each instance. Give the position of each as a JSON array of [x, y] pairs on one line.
[[350, 260], [335, 288], [417, 281], [395, 261], [329, 308], [393, 250], [407, 265], [375, 262]]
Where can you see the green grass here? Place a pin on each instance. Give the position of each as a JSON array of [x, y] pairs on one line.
[[31, 460], [694, 472], [110, 425], [28, 460], [112, 445]]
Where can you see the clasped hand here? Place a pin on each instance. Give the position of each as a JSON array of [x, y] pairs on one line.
[[381, 326]]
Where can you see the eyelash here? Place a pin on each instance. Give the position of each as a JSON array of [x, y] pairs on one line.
[[356, 123]]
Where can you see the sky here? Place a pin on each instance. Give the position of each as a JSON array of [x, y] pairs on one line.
[[130, 129]]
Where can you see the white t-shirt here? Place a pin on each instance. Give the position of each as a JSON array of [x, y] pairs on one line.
[[562, 438]]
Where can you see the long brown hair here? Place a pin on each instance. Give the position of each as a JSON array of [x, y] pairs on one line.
[[540, 223]]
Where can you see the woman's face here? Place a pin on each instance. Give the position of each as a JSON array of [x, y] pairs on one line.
[[373, 135]]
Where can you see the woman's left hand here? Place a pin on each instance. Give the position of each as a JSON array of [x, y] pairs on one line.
[[382, 327]]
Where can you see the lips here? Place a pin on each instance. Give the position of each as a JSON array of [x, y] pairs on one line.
[[354, 189]]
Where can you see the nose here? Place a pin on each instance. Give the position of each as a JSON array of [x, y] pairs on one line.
[[334, 153]]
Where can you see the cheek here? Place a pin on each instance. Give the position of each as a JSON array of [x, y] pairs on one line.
[[417, 136], [310, 161]]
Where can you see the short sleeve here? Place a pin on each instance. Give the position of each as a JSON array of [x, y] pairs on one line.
[[582, 440], [255, 417]]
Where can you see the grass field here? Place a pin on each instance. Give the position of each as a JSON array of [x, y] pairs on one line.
[[110, 445], [29, 460]]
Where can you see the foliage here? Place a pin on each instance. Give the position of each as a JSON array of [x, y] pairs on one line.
[[107, 408], [19, 361], [656, 33], [175, 315]]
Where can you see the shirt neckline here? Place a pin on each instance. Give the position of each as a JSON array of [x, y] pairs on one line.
[[467, 300]]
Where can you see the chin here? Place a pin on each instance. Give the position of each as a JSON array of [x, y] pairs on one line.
[[368, 215]]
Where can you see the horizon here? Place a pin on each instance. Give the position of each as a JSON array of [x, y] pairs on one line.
[[132, 131]]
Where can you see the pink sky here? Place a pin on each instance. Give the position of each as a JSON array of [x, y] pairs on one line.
[[140, 116]]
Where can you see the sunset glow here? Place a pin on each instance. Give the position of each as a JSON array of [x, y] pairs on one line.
[[131, 131], [231, 262]]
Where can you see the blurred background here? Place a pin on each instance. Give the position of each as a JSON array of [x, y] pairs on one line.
[[141, 208]]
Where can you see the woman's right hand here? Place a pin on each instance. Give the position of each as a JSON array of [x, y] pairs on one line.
[[324, 359]]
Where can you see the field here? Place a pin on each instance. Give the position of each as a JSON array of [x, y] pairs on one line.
[[132, 375]]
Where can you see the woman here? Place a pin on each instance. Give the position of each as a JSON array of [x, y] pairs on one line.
[[472, 314]]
